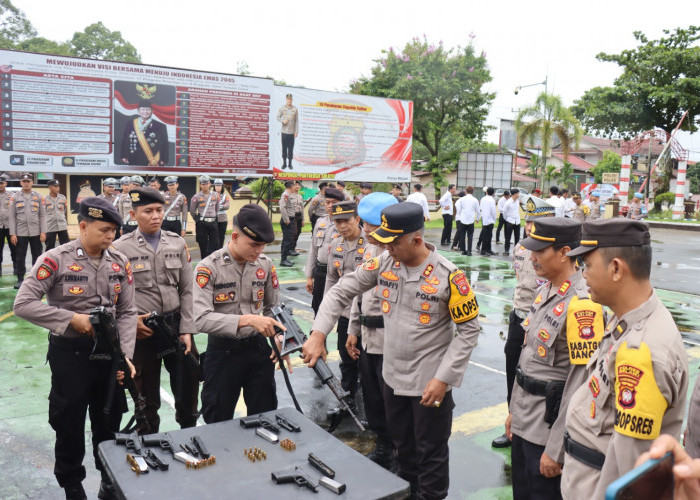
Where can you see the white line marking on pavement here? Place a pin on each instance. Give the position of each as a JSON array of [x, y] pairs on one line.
[[299, 301], [484, 367], [165, 396]]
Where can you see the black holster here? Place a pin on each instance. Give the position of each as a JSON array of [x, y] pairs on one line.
[[552, 397]]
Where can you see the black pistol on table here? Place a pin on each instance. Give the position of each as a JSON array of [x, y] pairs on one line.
[[297, 476]]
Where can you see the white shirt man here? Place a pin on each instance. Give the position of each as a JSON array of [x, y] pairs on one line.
[[488, 210], [511, 211], [558, 204], [501, 202], [469, 211], [446, 202], [419, 198]]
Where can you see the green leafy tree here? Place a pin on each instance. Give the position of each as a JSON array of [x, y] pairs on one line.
[[660, 80], [693, 175], [545, 120], [610, 162], [550, 173], [565, 176], [450, 104], [14, 26], [98, 42]]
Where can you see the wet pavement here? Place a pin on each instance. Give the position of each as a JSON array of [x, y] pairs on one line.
[[477, 470]]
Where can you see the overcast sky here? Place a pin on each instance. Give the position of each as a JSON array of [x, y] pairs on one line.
[[322, 44]]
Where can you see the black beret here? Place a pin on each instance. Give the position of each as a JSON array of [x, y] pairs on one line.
[[53, 182], [94, 208], [334, 194], [288, 184], [26, 176], [253, 221], [145, 196], [366, 185], [612, 233], [548, 231], [397, 220], [322, 185], [344, 210], [289, 96]]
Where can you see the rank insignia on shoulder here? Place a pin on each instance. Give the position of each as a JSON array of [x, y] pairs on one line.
[[371, 265], [428, 270], [564, 287], [397, 264], [390, 276], [526, 322], [75, 267], [538, 299]]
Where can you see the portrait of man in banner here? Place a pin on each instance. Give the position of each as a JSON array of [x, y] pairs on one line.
[[143, 120]]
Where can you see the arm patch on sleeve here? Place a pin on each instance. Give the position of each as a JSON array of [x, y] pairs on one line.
[[639, 403], [371, 265], [585, 326], [462, 305]]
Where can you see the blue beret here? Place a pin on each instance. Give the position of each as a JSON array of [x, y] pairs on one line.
[[371, 206], [638, 195], [596, 193]]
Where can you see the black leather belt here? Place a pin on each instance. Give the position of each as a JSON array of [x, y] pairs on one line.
[[583, 454], [208, 219], [298, 214], [252, 342], [529, 384], [321, 268], [83, 342], [372, 321]]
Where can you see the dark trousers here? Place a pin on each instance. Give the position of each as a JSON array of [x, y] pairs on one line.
[[34, 243], [373, 392], [501, 223], [78, 387], [172, 225], [300, 224], [185, 390], [458, 235], [485, 238], [221, 226], [513, 229], [288, 234], [51, 239], [349, 368], [528, 483], [319, 285], [5, 235], [313, 220], [420, 436], [207, 237], [287, 149], [514, 344], [468, 234], [228, 370], [446, 229]]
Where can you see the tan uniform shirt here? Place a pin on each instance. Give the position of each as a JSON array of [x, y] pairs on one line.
[[55, 213], [224, 291], [527, 281], [317, 206], [298, 202], [113, 198], [635, 390], [581, 213], [595, 210], [321, 241], [343, 258], [27, 214], [562, 331], [205, 206], [291, 114], [421, 307], [692, 438], [5, 209], [287, 206], [162, 278], [178, 202], [124, 208], [73, 285], [369, 304], [634, 211], [224, 204]]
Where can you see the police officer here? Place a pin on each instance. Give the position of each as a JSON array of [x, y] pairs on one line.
[[637, 381], [175, 215], [288, 223], [76, 277], [5, 222], [562, 329], [634, 211], [55, 205], [204, 208], [109, 192], [298, 216], [124, 205], [317, 205], [222, 214], [367, 324], [234, 285], [27, 225], [163, 281], [594, 205], [321, 241], [580, 212], [527, 284], [423, 297], [154, 183], [365, 189]]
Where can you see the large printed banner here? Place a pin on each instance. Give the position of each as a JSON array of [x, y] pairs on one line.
[[62, 114], [328, 135]]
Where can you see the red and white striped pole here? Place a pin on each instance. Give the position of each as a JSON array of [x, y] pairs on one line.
[[625, 179], [679, 207]]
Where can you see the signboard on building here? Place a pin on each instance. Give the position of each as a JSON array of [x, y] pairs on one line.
[[611, 177]]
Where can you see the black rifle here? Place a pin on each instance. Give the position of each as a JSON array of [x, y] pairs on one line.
[[293, 341], [296, 475], [134, 444], [107, 347]]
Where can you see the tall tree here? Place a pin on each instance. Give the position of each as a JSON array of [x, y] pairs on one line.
[[610, 162], [565, 176], [98, 42], [446, 87], [546, 120], [660, 80], [14, 26]]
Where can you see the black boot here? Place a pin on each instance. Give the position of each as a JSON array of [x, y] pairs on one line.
[[383, 453], [501, 441], [107, 490], [19, 283], [75, 492]]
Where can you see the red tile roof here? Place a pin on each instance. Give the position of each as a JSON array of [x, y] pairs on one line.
[[576, 162]]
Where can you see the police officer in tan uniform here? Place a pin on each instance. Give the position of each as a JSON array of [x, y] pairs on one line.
[[317, 205], [109, 192], [204, 208], [288, 222], [27, 225], [562, 330], [527, 284], [124, 204], [55, 205], [175, 215], [581, 211], [298, 216], [423, 298], [5, 221], [288, 116], [594, 205], [321, 241], [75, 278], [367, 326], [236, 288], [637, 380], [222, 214], [634, 210], [346, 254], [163, 281]]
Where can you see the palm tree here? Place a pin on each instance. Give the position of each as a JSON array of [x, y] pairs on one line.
[[544, 120], [565, 175], [549, 174]]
